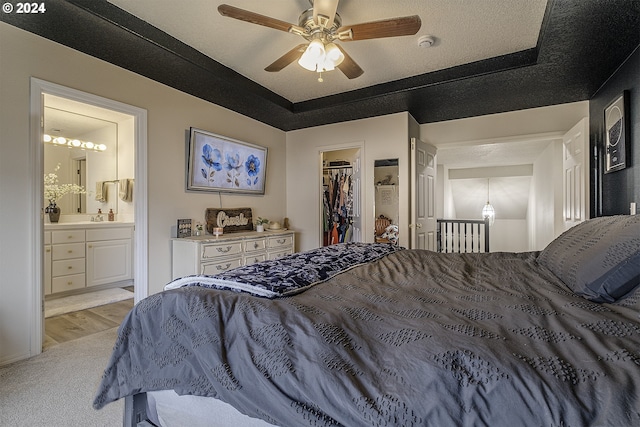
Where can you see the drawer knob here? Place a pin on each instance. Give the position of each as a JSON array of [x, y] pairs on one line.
[[226, 267], [224, 250], [70, 236], [69, 283], [70, 251], [255, 245], [281, 241], [70, 268]]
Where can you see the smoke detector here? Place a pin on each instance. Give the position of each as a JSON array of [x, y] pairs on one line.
[[426, 41]]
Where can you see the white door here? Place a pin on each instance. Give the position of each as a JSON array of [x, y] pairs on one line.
[[423, 186], [575, 167]]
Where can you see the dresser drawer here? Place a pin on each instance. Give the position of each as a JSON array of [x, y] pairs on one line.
[[280, 254], [255, 245], [220, 266], [67, 283], [67, 251], [67, 236], [277, 242], [252, 259], [221, 249], [67, 266]]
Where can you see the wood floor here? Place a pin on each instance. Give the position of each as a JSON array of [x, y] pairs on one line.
[[78, 324]]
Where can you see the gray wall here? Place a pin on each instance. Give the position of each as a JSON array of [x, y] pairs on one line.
[[612, 193]]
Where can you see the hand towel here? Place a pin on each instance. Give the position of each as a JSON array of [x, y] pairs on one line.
[[101, 191], [126, 190]]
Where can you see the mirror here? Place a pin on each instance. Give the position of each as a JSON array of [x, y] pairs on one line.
[[80, 163], [387, 197]]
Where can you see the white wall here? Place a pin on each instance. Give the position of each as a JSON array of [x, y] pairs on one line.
[[381, 138], [545, 207], [502, 235], [170, 114]]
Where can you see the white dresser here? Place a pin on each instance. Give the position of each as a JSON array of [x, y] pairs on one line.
[[213, 255], [81, 256]]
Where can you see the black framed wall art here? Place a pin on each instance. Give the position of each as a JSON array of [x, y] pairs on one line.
[[616, 123]]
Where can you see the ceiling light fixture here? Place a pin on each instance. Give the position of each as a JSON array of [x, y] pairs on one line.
[[73, 143], [320, 57], [488, 212]]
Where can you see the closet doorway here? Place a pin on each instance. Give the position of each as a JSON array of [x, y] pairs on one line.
[[341, 196]]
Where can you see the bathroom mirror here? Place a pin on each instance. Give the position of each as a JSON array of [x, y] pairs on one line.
[[81, 157], [387, 207]]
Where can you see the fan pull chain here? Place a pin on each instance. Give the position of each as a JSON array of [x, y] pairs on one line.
[[320, 79]]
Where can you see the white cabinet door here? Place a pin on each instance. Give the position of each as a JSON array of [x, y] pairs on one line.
[[108, 261]]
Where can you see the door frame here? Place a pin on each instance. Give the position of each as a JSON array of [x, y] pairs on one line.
[[36, 161]]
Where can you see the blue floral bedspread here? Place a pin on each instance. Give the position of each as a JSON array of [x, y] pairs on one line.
[[293, 273]]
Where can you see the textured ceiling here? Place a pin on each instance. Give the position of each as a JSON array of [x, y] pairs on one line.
[[580, 43], [465, 32]]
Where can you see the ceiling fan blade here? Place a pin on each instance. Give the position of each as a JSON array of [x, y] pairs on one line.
[[287, 58], [348, 66], [325, 8], [405, 26], [255, 18]]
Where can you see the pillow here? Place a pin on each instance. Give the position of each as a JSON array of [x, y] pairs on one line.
[[599, 259]]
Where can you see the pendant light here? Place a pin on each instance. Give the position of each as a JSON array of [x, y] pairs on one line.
[[487, 211]]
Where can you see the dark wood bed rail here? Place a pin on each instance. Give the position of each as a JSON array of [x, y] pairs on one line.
[[463, 235]]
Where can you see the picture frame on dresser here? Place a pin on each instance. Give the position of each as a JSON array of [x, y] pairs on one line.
[[217, 163], [616, 123]]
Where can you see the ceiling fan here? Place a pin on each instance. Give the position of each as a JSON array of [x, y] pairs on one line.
[[321, 26]]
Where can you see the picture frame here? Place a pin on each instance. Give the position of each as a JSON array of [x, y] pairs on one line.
[[183, 227], [217, 163], [616, 126]]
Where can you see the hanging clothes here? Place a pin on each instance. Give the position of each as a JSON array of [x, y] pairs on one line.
[[337, 205]]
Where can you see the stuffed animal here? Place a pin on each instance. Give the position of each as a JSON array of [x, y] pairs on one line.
[[391, 234]]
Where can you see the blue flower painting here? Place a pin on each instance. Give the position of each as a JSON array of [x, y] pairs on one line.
[[225, 165], [252, 165], [211, 158]]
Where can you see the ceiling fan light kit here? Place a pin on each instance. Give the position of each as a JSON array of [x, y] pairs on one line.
[[321, 26]]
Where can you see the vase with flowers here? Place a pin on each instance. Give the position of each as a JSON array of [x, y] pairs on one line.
[[53, 191]]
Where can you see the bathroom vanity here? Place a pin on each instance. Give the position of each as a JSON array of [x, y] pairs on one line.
[[86, 256]]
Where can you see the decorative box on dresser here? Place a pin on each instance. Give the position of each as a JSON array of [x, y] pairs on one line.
[[212, 255], [82, 256]]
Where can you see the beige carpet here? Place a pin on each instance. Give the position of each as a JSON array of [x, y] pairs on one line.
[[58, 306], [57, 387]]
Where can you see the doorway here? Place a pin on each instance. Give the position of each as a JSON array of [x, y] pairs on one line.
[[40, 90], [340, 196]]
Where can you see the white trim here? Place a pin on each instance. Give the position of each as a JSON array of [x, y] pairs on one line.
[[359, 194], [36, 165], [534, 137]]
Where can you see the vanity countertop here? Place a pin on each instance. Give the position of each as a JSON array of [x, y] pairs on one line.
[[87, 224]]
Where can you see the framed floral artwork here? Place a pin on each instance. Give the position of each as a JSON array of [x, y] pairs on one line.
[[220, 164]]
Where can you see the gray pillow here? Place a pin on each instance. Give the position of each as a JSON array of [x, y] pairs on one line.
[[599, 259]]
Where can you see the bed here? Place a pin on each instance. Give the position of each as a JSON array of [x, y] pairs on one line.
[[376, 335]]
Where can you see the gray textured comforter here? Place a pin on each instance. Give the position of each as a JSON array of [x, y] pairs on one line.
[[415, 338]]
